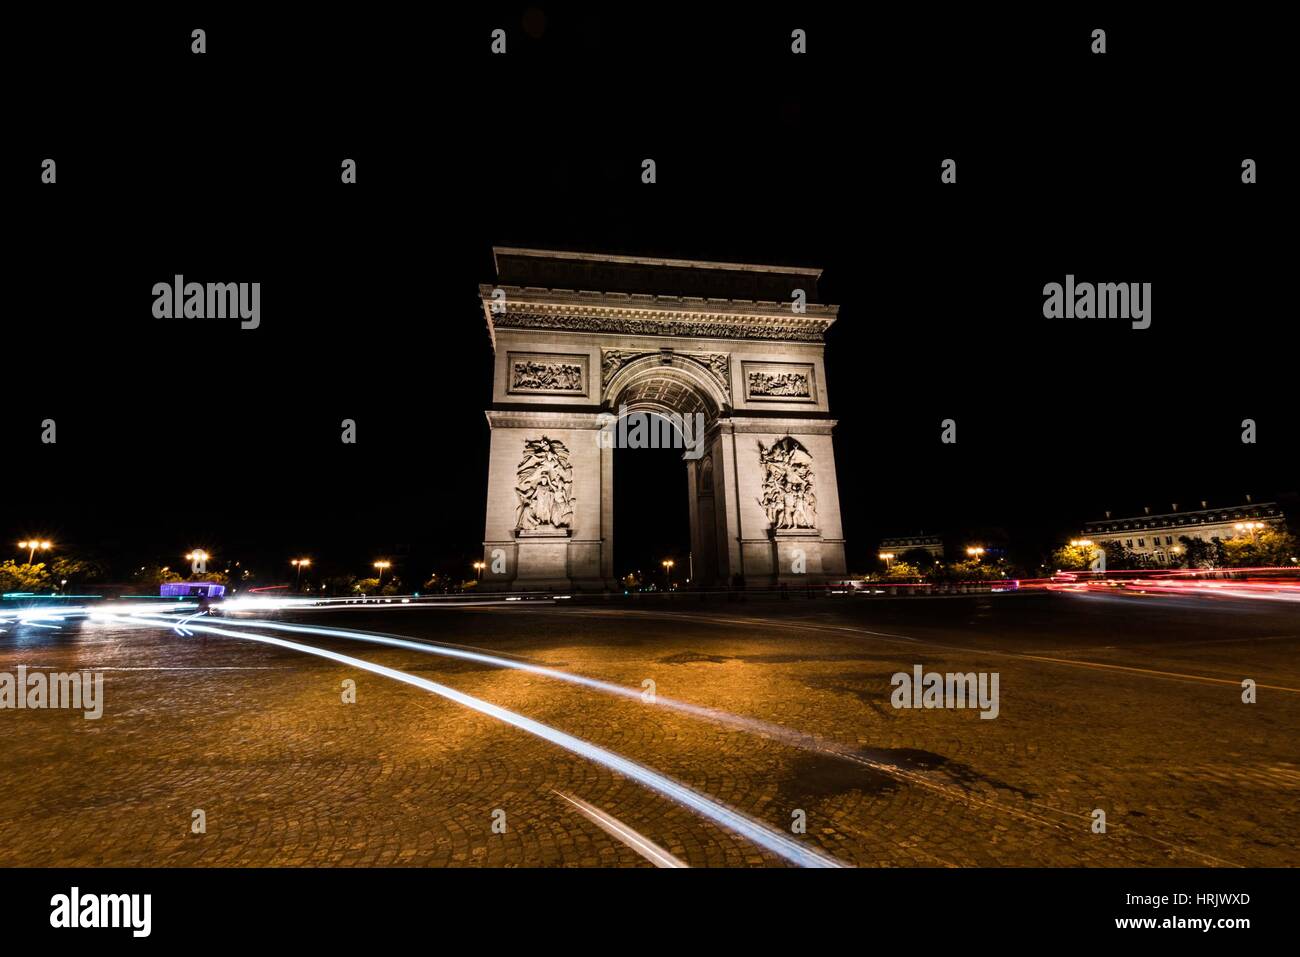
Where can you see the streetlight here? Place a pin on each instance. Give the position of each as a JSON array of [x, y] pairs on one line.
[[888, 558], [32, 547], [1251, 527], [478, 570], [300, 564], [974, 551], [382, 566], [1081, 542], [668, 573]]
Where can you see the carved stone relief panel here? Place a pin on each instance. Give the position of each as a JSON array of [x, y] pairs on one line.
[[544, 485], [779, 382], [789, 496], [534, 372]]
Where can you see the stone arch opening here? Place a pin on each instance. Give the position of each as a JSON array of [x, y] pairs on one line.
[[660, 402], [667, 383], [651, 510]]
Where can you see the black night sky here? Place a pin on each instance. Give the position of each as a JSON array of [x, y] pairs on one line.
[[225, 168]]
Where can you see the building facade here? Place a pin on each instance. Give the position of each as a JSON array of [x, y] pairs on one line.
[[1157, 536], [930, 543]]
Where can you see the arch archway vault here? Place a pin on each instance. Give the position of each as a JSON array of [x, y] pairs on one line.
[[721, 345]]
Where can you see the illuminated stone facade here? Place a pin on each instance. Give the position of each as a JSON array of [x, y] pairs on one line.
[[579, 338]]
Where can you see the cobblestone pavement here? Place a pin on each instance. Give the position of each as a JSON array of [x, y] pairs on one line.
[[1129, 705]]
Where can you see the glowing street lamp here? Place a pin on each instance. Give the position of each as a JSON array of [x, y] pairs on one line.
[[888, 558], [974, 551], [382, 566], [198, 561], [478, 570], [1251, 527], [1081, 542], [300, 564], [33, 546], [668, 573]]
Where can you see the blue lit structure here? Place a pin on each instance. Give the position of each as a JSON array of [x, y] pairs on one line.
[[192, 590]]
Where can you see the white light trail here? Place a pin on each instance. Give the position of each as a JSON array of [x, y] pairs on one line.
[[616, 829], [759, 833], [789, 736], [263, 604]]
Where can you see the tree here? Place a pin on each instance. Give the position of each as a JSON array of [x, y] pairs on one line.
[[77, 570], [1121, 558], [151, 576], [31, 578], [972, 570], [340, 584], [1198, 553], [1077, 558], [920, 557], [1267, 548], [216, 578], [902, 571]]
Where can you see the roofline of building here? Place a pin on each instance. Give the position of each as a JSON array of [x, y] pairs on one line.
[[815, 273], [1187, 514]]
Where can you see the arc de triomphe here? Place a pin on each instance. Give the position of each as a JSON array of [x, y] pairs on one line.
[[580, 337]]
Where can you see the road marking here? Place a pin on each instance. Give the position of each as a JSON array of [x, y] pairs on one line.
[[1177, 675]]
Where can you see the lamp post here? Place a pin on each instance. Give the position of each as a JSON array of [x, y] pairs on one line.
[[382, 566], [668, 573], [34, 546], [888, 558], [478, 570], [975, 551], [300, 564]]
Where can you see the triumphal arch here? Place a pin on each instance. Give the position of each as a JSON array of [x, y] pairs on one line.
[[582, 340]]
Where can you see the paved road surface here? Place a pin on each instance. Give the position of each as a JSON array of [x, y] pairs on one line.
[[1131, 705]]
